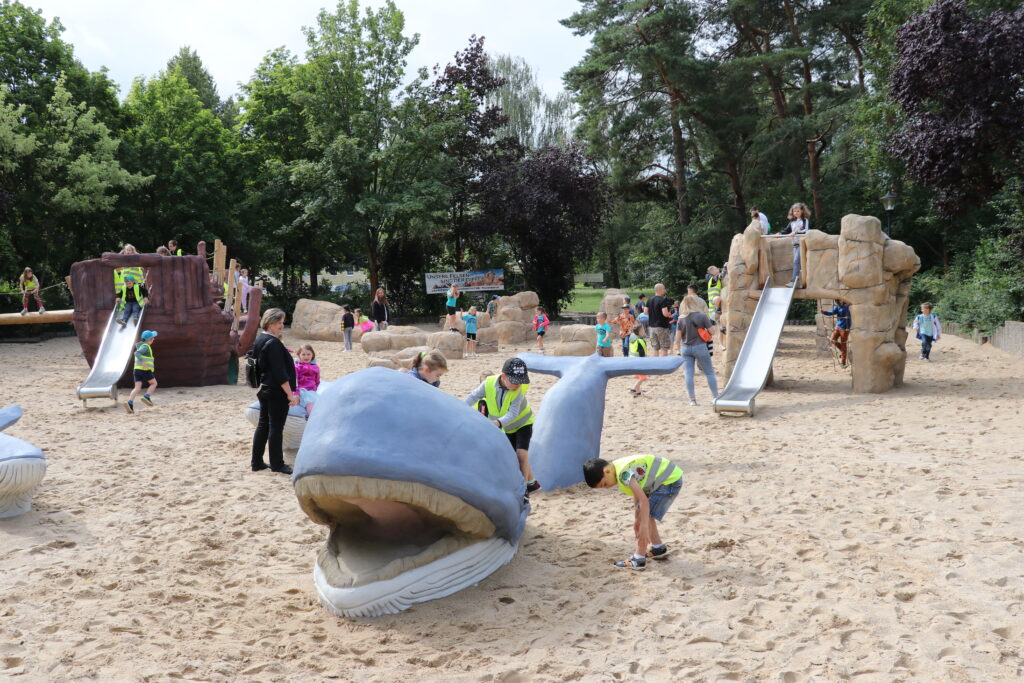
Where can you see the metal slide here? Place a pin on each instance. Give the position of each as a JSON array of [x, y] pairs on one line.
[[755, 360], [113, 357]]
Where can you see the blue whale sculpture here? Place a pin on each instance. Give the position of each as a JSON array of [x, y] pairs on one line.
[[567, 430], [422, 495], [22, 468]]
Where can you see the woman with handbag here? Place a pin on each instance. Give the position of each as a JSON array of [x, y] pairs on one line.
[[696, 329], [277, 391]]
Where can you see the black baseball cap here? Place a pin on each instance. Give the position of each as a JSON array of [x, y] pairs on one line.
[[515, 370]]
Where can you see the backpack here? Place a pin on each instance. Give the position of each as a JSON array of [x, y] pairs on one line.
[[253, 373]]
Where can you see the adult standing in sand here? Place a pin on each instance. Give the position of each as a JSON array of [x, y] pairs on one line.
[[692, 319], [277, 392], [659, 309], [379, 310]]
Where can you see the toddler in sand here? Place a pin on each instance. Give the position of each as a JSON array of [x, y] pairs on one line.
[[654, 483]]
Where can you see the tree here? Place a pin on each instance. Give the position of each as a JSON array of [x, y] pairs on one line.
[[531, 116], [959, 80], [549, 207], [378, 146]]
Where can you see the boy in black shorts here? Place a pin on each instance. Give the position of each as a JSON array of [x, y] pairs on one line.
[[502, 398], [144, 371]]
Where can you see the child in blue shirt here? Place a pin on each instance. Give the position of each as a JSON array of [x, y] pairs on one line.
[[470, 320], [604, 335], [928, 329], [840, 335], [540, 326]]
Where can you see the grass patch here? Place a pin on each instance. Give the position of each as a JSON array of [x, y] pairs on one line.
[[588, 299]]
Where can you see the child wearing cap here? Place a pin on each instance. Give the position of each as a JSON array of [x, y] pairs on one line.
[[492, 306], [133, 297], [144, 371], [625, 320], [502, 399]]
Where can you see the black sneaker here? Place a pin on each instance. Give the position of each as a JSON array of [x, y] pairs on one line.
[[147, 400], [283, 469], [632, 563], [259, 466], [128, 406], [532, 486], [658, 553]]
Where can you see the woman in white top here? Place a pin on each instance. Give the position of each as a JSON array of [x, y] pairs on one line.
[[799, 224]]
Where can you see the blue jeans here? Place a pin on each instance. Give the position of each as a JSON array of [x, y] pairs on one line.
[[625, 347], [926, 345], [699, 353], [662, 498], [131, 308]]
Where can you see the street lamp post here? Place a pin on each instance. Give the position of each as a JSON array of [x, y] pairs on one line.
[[889, 203]]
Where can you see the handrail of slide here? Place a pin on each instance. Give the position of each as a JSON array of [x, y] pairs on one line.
[[750, 373], [111, 360]]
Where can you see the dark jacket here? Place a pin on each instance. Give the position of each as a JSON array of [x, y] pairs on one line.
[[378, 312], [275, 362]]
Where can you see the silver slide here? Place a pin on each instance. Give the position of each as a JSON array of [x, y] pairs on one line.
[[755, 360], [113, 357]]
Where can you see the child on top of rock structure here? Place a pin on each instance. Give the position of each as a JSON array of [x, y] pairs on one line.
[[654, 483], [470, 319], [928, 329], [307, 377], [429, 366]]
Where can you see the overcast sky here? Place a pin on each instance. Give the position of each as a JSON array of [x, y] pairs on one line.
[[136, 38]]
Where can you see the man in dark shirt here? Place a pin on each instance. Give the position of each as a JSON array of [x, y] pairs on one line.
[[134, 297], [659, 309]]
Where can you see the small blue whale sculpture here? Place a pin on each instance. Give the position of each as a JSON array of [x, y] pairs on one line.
[[22, 468], [567, 430], [423, 496]]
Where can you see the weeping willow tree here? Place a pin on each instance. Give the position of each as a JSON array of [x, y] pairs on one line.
[[534, 118]]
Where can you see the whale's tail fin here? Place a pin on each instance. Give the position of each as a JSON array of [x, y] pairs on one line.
[[611, 367], [9, 416]]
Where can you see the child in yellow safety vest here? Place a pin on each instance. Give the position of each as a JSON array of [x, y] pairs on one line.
[[144, 371], [502, 399], [654, 483], [133, 297], [638, 349]]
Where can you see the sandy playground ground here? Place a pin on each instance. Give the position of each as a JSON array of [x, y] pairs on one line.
[[832, 537]]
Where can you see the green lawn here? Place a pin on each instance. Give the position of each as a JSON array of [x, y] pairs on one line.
[[588, 299]]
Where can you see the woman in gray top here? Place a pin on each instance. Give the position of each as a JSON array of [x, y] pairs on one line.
[[691, 320]]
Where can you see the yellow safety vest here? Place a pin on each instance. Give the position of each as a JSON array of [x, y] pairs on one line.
[[635, 345], [118, 281], [495, 411], [665, 472], [144, 357], [179, 253], [714, 289], [135, 272], [135, 288]]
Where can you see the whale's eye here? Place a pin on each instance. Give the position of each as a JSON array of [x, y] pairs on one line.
[[382, 528]]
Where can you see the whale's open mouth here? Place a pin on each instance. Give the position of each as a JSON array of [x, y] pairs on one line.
[[383, 528]]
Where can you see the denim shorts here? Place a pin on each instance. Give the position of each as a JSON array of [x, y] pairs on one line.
[[662, 498]]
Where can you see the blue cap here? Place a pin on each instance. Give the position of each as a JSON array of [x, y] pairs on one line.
[[148, 334], [129, 276], [495, 296]]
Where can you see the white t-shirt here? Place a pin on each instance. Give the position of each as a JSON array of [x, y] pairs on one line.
[[766, 227]]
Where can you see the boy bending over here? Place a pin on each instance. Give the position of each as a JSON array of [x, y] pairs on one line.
[[654, 483]]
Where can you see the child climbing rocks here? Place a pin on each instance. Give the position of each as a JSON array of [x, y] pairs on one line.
[[28, 284], [144, 371], [840, 335], [928, 329], [654, 483]]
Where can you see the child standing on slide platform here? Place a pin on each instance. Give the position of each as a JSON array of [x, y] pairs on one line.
[[654, 483]]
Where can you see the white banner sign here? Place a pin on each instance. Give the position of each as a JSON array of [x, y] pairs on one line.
[[467, 280]]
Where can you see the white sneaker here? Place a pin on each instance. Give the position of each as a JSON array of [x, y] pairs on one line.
[[25, 310], [42, 310], [693, 401]]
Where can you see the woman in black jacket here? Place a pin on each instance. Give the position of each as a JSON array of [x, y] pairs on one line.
[[277, 392], [379, 310]]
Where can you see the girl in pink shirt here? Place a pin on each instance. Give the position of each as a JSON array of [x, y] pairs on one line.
[[307, 377]]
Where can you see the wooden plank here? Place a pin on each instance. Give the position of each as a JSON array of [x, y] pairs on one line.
[[33, 318], [220, 255]]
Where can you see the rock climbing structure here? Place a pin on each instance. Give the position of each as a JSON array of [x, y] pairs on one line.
[[861, 265]]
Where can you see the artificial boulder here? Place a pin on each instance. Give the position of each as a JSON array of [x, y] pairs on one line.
[[451, 344]]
